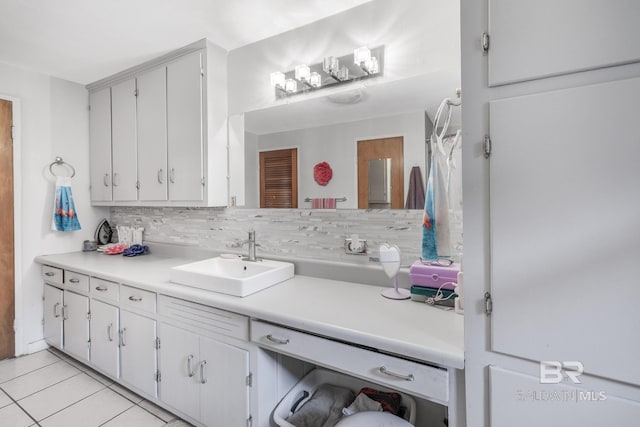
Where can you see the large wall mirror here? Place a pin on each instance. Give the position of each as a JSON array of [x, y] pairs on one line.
[[422, 67]]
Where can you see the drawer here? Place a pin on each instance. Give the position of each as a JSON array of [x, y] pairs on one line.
[[138, 298], [52, 274], [105, 289], [76, 281], [414, 378], [204, 320]]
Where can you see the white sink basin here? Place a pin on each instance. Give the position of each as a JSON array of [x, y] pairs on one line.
[[232, 276]]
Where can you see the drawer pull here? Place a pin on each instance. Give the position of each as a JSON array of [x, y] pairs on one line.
[[74, 280], [277, 340], [122, 332], [102, 288], [385, 371], [109, 332], [203, 374], [64, 313], [135, 298], [49, 274], [189, 369]]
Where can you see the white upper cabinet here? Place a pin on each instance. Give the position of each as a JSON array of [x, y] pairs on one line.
[[152, 134], [123, 142], [185, 128], [536, 39], [164, 124], [100, 145]]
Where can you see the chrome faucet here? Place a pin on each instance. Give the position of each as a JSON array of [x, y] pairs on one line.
[[251, 241]]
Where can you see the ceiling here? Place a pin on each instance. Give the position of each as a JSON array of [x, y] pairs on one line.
[[86, 40]]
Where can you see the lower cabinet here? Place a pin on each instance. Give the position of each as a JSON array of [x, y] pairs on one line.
[[206, 379], [138, 366], [52, 320], [104, 330], [76, 325]]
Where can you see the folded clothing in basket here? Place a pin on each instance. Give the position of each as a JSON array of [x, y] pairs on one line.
[[324, 409]]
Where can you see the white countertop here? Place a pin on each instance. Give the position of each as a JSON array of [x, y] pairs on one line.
[[346, 311]]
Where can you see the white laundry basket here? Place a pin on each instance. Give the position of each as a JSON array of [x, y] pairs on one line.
[[317, 377]]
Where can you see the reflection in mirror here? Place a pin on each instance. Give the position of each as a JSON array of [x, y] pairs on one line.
[[380, 183]]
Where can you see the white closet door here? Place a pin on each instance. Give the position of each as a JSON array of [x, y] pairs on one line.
[[565, 227], [104, 337], [152, 135], [185, 128], [76, 325], [123, 110], [534, 39], [100, 145]]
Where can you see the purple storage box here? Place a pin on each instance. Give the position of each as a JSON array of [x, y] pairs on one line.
[[434, 275]]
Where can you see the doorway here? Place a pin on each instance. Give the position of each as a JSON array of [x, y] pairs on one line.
[[7, 249], [381, 173]]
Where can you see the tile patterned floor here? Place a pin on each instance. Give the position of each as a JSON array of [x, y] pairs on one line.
[[50, 389]]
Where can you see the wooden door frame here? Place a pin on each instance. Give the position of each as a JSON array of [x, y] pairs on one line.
[[20, 346]]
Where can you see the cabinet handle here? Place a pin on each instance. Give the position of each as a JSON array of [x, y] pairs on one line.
[[74, 280], [109, 332], [106, 180], [122, 331], [277, 340], [135, 298], [190, 372], [116, 180], [203, 375], [385, 371], [101, 288], [172, 175], [64, 313], [49, 274], [161, 176], [55, 309]]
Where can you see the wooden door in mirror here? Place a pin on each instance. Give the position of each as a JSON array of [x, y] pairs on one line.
[[279, 178]]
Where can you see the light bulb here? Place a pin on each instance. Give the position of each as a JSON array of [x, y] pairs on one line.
[[302, 73], [290, 86], [315, 80], [277, 79], [361, 55]]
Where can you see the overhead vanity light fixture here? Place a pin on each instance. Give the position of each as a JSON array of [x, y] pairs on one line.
[[365, 63]]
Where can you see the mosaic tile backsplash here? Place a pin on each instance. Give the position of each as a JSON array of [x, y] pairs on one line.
[[294, 233]]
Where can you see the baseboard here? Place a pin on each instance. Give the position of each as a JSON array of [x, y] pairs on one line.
[[36, 346]]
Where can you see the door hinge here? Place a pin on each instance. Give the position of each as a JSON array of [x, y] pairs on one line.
[[137, 185], [201, 71], [89, 315], [485, 42], [13, 133], [486, 146], [488, 304], [157, 343], [135, 92], [89, 344], [202, 181], [249, 380], [158, 376], [250, 421]]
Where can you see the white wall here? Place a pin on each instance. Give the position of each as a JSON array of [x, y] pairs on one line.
[[54, 121], [337, 145]]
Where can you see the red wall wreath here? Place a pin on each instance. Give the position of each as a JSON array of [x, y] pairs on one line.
[[322, 173]]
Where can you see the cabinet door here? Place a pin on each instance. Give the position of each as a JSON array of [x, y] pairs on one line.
[[104, 337], [178, 359], [123, 111], [152, 135], [534, 39], [185, 128], [100, 145], [53, 315], [223, 372], [138, 351], [76, 325]]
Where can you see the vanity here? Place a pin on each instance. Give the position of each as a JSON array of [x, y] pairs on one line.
[[217, 359]]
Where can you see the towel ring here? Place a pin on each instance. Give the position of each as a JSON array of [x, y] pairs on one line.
[[59, 162]]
